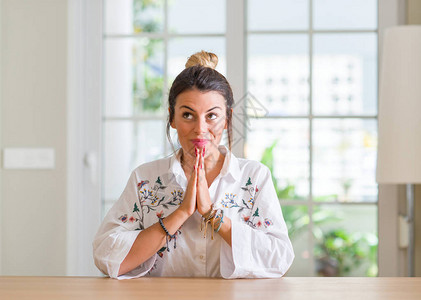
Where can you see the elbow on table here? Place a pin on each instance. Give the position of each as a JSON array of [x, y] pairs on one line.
[[282, 259], [100, 260], [101, 265], [290, 256]]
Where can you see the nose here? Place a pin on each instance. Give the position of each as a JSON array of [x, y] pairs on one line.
[[201, 126]]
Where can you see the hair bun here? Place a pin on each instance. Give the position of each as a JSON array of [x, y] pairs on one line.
[[204, 59]]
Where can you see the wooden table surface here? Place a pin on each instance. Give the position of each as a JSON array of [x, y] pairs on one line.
[[204, 288]]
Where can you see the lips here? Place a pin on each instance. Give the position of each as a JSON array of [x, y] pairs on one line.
[[200, 143]]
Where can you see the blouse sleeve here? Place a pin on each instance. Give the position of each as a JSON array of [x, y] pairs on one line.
[[117, 234], [260, 247]]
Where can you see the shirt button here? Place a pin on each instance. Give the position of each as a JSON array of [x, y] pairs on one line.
[[201, 257]]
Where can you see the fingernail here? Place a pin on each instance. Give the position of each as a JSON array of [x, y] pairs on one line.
[[195, 150], [194, 167]]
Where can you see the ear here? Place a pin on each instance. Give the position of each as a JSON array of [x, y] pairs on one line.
[[172, 123], [226, 122]]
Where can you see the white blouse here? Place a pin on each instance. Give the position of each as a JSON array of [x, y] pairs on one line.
[[243, 189]]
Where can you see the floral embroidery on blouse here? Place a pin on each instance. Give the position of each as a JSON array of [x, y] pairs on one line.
[[123, 218], [161, 251], [160, 214], [148, 201], [254, 220], [230, 199]]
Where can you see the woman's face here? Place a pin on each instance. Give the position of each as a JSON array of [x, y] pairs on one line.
[[200, 119]]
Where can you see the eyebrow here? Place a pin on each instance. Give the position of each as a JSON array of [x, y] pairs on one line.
[[194, 110]]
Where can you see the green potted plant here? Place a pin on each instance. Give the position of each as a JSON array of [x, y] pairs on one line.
[[337, 252]]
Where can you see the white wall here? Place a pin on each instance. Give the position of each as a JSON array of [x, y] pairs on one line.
[[414, 18], [33, 114]]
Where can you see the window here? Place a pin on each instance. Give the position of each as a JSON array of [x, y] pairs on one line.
[[311, 70], [314, 64]]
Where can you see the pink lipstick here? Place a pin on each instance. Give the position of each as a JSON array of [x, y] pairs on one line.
[[200, 143]]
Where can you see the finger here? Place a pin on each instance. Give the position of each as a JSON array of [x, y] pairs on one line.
[[203, 158], [200, 158], [200, 170], [193, 175], [202, 174], [196, 165], [196, 162]]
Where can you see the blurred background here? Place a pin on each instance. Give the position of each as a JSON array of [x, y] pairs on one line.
[[84, 86]]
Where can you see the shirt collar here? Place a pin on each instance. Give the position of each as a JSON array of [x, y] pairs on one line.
[[175, 165], [230, 167]]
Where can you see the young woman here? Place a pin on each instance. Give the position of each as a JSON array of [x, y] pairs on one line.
[[201, 212]]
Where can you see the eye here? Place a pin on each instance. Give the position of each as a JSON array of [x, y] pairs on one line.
[[212, 116], [187, 115]]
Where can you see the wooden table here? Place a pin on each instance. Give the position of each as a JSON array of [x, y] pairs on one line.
[[203, 288]]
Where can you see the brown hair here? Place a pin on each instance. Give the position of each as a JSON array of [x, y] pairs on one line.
[[200, 74]]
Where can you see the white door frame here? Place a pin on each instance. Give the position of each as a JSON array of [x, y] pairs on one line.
[[83, 133]]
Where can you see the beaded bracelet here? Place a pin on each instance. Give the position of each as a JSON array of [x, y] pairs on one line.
[[221, 216], [168, 236]]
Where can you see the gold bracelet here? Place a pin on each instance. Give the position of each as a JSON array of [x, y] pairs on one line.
[[206, 219], [208, 214], [215, 218]]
